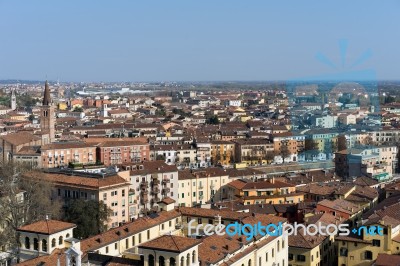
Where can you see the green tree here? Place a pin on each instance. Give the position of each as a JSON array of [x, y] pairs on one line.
[[213, 120], [24, 199], [77, 109], [311, 148], [284, 151], [341, 143], [91, 217]]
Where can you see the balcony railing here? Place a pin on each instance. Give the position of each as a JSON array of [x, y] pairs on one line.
[[155, 191], [166, 190]]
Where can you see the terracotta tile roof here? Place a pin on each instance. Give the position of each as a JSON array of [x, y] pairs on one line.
[[129, 229], [66, 145], [266, 185], [252, 141], [49, 260], [47, 227], [273, 196], [210, 213], [29, 150], [167, 200], [387, 260], [239, 206], [170, 243], [240, 255], [122, 142], [323, 218], [341, 205], [20, 138], [304, 240], [79, 181], [238, 184], [104, 140]]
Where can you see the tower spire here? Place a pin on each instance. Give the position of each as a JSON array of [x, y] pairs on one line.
[[13, 100], [46, 96]]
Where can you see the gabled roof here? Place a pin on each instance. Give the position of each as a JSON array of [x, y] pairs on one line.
[[171, 243], [47, 227]]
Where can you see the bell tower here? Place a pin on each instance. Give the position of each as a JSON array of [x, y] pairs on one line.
[[47, 118], [13, 100]]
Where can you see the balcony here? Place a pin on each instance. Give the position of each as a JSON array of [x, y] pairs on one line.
[[155, 182], [178, 226], [155, 191], [156, 199], [144, 200], [212, 186], [201, 186], [166, 190], [166, 181], [144, 184]]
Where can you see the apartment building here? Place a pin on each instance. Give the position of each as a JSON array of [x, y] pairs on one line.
[[198, 187], [317, 250], [150, 183], [119, 151], [186, 155], [254, 151], [203, 153], [363, 248], [167, 153], [343, 209], [62, 154], [112, 189], [222, 152], [294, 147], [268, 191], [376, 162], [326, 121]]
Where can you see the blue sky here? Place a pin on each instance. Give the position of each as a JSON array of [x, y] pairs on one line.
[[194, 40]]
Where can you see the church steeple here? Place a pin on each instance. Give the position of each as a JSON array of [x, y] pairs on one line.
[[13, 100], [47, 117], [46, 96]]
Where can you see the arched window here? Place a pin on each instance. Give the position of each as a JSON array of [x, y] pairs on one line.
[[53, 243], [194, 259], [172, 262], [161, 261], [44, 245], [67, 236], [182, 261], [35, 244], [151, 260], [188, 259], [249, 264], [279, 245], [60, 240], [27, 243]]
